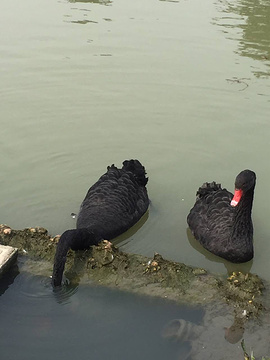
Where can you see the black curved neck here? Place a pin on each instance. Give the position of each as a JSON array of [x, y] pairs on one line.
[[75, 239], [242, 221]]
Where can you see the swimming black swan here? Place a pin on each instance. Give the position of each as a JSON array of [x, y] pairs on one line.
[[111, 206], [222, 222]]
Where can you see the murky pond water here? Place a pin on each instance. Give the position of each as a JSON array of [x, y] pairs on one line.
[[88, 322], [181, 85], [93, 322]]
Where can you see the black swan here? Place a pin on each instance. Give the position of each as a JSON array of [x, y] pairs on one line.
[[111, 206], [222, 222]]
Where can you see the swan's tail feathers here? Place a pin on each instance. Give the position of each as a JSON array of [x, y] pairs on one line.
[[75, 239], [137, 169], [207, 188]]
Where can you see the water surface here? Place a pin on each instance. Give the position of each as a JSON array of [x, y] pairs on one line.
[[181, 85]]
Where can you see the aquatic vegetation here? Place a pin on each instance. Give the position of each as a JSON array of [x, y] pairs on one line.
[[251, 356]]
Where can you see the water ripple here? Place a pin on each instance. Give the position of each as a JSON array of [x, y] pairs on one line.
[[35, 288]]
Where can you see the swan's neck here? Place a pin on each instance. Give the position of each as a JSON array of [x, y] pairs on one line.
[[242, 225], [75, 239]]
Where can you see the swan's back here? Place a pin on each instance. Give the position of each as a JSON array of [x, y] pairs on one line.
[[111, 206], [116, 201], [211, 217]]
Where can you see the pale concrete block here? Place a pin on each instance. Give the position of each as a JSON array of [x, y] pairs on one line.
[[8, 255]]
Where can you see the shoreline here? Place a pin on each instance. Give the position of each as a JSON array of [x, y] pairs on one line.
[[156, 276]]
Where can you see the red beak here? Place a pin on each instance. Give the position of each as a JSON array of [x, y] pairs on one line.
[[237, 196]]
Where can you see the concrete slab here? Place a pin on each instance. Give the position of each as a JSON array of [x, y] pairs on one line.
[[8, 255]]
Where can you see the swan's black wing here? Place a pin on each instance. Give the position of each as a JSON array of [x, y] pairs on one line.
[[211, 218], [111, 206], [116, 201]]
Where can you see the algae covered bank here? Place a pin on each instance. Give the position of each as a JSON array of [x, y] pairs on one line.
[[138, 274]]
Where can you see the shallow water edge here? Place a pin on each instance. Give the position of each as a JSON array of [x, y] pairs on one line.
[[149, 276]]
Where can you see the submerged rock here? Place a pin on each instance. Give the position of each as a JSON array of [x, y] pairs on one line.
[[181, 330]]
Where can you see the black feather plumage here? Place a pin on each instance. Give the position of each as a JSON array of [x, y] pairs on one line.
[[112, 205], [223, 229]]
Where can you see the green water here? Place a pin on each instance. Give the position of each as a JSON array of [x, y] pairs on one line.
[[181, 85]]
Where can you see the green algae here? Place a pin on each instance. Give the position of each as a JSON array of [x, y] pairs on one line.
[[108, 266]]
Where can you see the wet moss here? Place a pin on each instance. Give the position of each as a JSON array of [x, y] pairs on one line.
[[244, 291], [109, 266]]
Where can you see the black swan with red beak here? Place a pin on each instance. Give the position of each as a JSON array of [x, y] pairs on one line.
[[221, 221], [112, 205]]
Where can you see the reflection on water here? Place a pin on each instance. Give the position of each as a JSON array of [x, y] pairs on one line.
[[101, 2], [178, 330], [230, 267], [173, 1], [248, 22], [127, 236], [7, 280], [82, 22]]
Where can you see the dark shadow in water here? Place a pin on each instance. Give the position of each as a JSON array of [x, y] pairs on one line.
[[244, 268], [132, 231], [235, 332], [8, 278], [252, 19]]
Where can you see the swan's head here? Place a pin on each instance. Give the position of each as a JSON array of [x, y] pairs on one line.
[[244, 181]]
